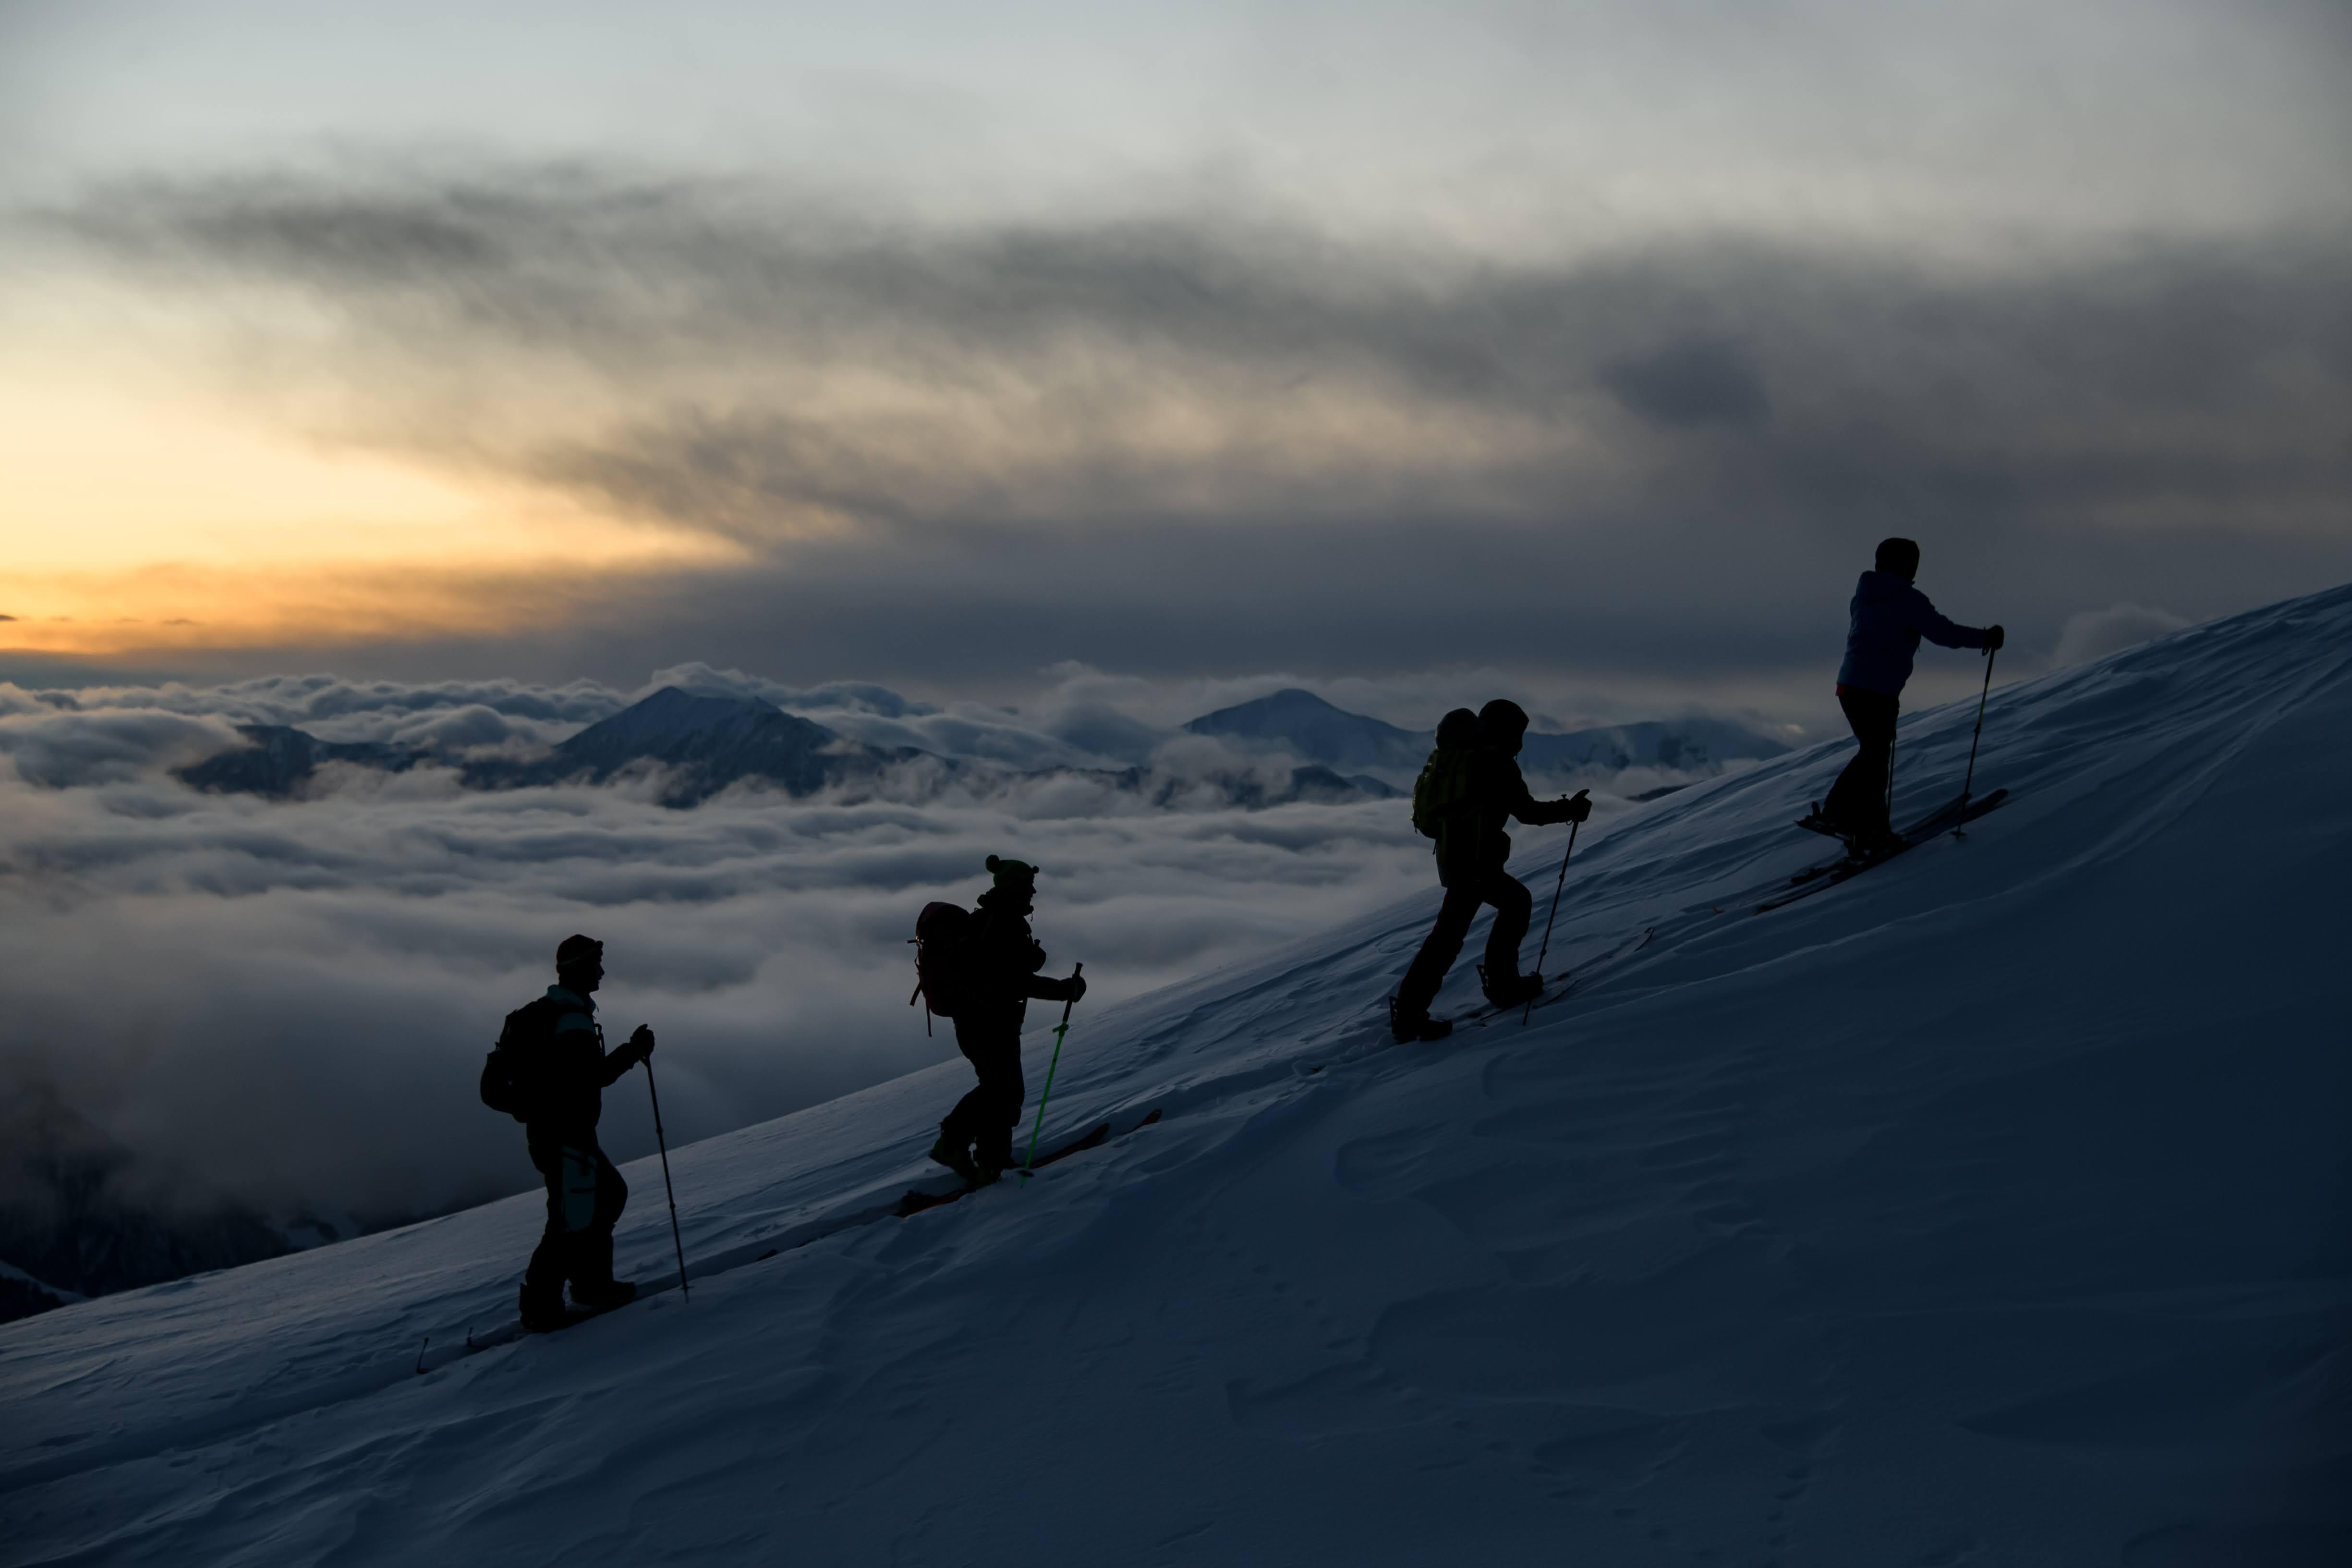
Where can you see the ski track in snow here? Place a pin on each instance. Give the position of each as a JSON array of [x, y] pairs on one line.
[[1993, 1206]]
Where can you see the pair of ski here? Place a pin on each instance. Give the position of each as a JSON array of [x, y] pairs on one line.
[[918, 1199], [428, 1359], [505, 1333], [1554, 991], [1952, 815], [1949, 817]]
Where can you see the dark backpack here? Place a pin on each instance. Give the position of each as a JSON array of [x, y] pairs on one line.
[[512, 1072], [944, 956], [1445, 787], [1448, 779]]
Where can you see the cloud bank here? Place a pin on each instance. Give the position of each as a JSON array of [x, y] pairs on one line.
[[287, 1003]]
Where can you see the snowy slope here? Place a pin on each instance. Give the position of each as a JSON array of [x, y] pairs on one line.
[[1992, 1207]]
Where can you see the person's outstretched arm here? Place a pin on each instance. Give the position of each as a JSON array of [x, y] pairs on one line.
[[1542, 812], [1938, 628]]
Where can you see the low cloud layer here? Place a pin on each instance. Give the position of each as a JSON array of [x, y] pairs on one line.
[[287, 1003], [2094, 634]]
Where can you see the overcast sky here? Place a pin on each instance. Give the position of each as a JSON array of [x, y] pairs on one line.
[[944, 345]]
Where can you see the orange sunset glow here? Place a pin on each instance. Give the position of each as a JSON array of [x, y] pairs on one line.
[[139, 524]]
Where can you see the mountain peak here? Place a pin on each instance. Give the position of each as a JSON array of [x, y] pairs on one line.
[[706, 704], [1315, 730]]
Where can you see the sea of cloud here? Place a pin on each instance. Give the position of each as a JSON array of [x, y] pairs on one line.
[[286, 1004]]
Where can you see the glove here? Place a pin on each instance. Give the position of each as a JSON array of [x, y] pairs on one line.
[[1994, 637], [1576, 809], [641, 1044], [1077, 984]]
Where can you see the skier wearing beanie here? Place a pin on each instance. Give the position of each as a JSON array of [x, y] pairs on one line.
[[1470, 789], [558, 1070], [1887, 619], [995, 962]]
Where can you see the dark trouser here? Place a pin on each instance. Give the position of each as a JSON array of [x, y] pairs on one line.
[[584, 1198], [986, 1117], [1513, 903], [1857, 802]]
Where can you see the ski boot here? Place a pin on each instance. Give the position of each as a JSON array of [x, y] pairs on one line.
[[1513, 991], [957, 1157], [603, 1295], [543, 1314], [994, 1157], [1816, 822], [1406, 1027], [1871, 844]]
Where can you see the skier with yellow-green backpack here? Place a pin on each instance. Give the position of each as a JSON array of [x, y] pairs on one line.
[[1469, 790]]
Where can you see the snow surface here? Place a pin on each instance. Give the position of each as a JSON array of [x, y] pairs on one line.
[[1995, 1206]]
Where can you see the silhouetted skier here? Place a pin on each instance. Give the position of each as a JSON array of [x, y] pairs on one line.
[[990, 971], [1889, 617], [560, 1069], [1469, 790]]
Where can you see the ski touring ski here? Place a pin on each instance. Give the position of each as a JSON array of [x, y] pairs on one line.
[[1927, 824], [1579, 978], [1953, 814], [1568, 982], [1477, 1017], [918, 1199], [507, 1333]]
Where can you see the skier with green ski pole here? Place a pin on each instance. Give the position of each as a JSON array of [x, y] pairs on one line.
[[1060, 1030], [978, 969]]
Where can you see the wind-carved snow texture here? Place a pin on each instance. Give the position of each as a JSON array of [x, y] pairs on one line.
[[1987, 1208]]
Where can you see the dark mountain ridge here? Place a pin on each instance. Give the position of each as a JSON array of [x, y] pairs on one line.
[[279, 760], [700, 743], [705, 743]]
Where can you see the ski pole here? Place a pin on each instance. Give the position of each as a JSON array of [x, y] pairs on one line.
[[1059, 1030], [1546, 948], [1969, 783], [663, 1144], [1890, 775]]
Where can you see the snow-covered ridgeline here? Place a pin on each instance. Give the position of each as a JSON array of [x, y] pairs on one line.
[[1988, 1207]]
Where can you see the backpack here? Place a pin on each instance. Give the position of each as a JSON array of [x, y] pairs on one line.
[[511, 1073], [944, 956], [1444, 787]]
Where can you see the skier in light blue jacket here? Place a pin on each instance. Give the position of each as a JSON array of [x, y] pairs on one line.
[[1889, 617]]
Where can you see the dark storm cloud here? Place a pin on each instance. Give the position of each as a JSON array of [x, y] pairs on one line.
[[1209, 443], [1697, 382], [630, 272]]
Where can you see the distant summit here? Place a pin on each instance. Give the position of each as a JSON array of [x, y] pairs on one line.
[[277, 760], [1315, 729], [706, 742]]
